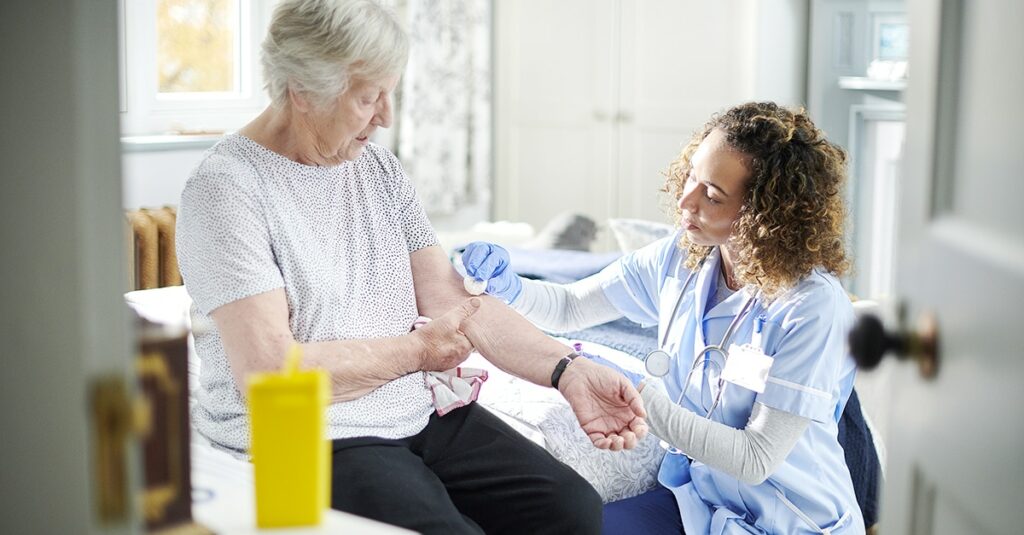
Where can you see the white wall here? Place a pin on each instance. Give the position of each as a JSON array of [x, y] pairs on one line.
[[776, 43], [154, 179]]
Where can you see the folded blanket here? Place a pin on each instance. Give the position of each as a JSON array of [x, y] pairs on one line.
[[558, 265], [622, 335], [553, 265]]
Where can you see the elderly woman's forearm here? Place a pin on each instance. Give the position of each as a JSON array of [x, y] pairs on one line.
[[513, 344], [500, 334], [358, 367], [256, 337]]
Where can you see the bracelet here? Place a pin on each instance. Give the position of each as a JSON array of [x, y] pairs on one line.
[[560, 368]]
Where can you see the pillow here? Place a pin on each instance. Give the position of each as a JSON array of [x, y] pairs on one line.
[[549, 421], [615, 475], [632, 234], [573, 232], [504, 233]]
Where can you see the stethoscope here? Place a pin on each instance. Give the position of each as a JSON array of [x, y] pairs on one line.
[[658, 362]]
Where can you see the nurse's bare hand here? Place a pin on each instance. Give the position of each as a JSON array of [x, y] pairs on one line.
[[441, 343], [607, 406]]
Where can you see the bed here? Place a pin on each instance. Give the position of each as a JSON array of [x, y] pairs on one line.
[[539, 413]]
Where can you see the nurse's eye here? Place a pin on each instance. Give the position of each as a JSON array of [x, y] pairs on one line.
[[711, 199]]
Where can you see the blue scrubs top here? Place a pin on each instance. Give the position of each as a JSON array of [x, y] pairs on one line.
[[811, 376]]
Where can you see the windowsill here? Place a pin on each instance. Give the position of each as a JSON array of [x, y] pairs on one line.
[[860, 83], [168, 142]]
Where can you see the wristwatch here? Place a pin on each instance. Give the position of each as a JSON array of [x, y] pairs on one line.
[[560, 368]]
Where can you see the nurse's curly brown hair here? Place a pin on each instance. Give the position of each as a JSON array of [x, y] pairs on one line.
[[793, 215]]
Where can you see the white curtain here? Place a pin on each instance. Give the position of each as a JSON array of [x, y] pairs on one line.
[[443, 125]]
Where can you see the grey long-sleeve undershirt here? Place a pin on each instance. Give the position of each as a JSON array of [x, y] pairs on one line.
[[750, 454]]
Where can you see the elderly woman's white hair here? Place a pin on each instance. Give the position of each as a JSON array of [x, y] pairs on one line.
[[315, 47]]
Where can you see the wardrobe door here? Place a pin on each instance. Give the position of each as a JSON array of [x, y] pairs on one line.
[[554, 108], [681, 60]]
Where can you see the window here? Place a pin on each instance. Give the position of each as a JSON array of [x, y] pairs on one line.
[[197, 47], [191, 66]]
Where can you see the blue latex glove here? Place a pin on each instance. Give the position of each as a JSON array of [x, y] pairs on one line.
[[489, 262], [635, 378]]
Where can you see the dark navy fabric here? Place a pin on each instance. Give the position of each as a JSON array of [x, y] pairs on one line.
[[861, 458], [653, 513]]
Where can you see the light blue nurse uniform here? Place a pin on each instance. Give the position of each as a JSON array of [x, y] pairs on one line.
[[812, 376]]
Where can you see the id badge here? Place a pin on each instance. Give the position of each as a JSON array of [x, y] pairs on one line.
[[747, 366]]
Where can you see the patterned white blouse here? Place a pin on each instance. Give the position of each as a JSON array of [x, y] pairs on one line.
[[337, 239]]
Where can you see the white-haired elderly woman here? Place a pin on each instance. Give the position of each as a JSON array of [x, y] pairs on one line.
[[298, 229]]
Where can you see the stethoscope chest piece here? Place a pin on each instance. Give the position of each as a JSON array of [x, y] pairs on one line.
[[657, 363]]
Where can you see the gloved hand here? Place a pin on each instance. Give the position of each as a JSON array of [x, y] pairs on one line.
[[632, 377], [489, 262]]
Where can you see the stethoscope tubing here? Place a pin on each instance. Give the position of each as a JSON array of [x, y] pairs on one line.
[[661, 369]]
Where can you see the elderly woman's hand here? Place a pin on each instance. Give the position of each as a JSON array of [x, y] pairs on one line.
[[441, 342], [609, 409]]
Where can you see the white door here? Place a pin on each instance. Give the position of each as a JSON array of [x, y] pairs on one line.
[[554, 102], [63, 323], [956, 462], [674, 74]]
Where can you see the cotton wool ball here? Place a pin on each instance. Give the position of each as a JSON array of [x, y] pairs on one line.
[[473, 286]]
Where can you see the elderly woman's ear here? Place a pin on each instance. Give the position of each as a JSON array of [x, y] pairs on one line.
[[299, 101]]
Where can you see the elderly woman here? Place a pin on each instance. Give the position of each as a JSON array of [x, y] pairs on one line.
[[299, 229], [753, 428]]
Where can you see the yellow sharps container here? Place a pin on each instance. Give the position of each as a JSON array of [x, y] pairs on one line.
[[290, 452]]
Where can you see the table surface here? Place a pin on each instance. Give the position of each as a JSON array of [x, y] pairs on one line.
[[223, 501]]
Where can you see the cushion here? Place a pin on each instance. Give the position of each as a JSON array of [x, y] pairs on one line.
[[504, 233], [615, 475], [548, 420], [569, 231], [632, 234]]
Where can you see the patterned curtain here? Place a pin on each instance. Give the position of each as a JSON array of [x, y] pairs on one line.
[[443, 122]]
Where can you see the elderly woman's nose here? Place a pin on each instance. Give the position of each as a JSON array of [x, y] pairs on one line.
[[383, 116]]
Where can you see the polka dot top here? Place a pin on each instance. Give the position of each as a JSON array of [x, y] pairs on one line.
[[337, 239]]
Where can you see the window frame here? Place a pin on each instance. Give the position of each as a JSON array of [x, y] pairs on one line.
[[144, 111]]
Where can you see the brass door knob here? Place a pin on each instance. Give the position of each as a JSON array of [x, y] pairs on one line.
[[870, 341]]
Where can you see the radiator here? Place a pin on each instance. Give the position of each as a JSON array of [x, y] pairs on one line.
[[154, 263]]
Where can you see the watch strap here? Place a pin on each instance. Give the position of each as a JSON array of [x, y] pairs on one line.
[[556, 375]]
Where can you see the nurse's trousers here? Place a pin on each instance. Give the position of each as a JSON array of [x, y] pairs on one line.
[[466, 472]]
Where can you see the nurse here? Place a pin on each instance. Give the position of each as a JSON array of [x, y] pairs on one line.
[[753, 436]]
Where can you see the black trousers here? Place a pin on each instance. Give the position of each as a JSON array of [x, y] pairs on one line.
[[467, 472]]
